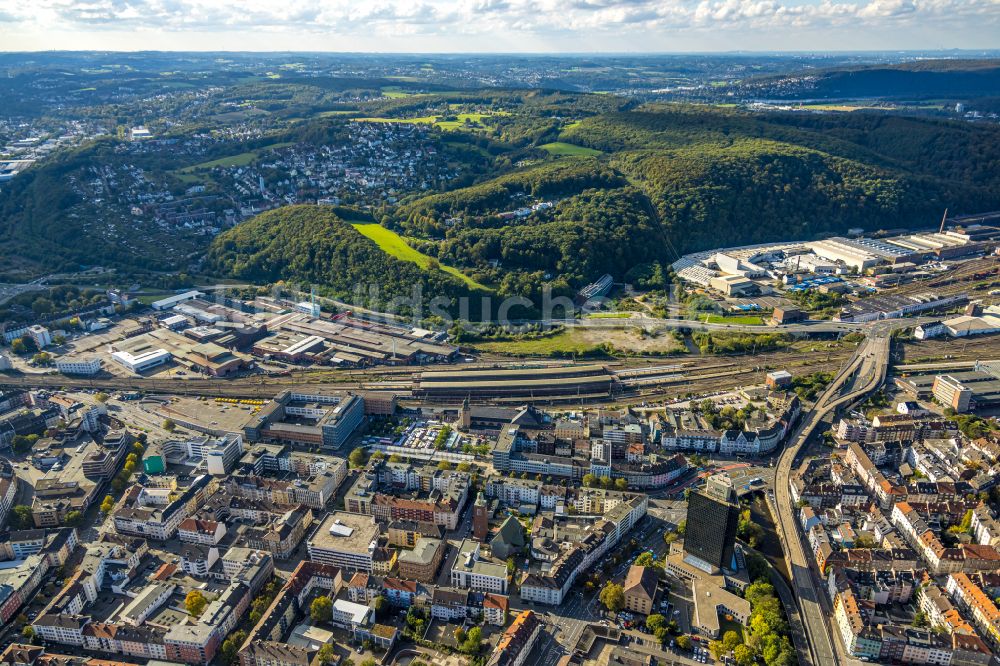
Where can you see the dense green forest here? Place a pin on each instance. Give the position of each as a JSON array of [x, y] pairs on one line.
[[754, 191], [499, 194], [927, 79], [595, 232], [717, 177], [316, 246], [958, 152]]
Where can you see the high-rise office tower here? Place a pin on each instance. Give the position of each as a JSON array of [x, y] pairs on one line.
[[712, 519]]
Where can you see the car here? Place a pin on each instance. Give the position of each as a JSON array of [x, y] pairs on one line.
[[360, 650]]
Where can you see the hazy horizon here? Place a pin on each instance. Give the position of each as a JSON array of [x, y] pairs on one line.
[[987, 52], [501, 26]]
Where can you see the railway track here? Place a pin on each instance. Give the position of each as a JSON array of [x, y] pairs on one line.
[[955, 280], [649, 382]]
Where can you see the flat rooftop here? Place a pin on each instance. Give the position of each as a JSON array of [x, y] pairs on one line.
[[985, 387], [479, 374], [492, 383], [346, 532], [708, 592], [226, 415]]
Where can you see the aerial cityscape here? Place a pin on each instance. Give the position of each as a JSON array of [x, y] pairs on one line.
[[500, 333]]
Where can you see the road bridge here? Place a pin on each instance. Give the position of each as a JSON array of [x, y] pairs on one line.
[[863, 373]]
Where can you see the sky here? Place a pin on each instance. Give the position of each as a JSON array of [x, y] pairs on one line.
[[532, 26]]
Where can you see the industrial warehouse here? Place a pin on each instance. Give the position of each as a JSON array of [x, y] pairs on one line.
[[344, 340], [161, 345], [229, 337], [961, 390]]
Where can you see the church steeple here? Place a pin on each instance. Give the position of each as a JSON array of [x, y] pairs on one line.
[[465, 416], [480, 517]]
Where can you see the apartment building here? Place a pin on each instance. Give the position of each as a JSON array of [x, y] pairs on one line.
[[640, 589], [422, 562], [950, 392], [155, 513], [515, 646]]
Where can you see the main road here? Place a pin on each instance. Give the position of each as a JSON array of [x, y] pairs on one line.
[[863, 373]]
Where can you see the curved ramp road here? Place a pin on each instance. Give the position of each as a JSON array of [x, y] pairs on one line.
[[863, 373]]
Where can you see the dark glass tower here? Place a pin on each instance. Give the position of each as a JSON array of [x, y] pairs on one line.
[[712, 519]]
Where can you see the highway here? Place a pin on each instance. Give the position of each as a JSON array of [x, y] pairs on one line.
[[863, 373]]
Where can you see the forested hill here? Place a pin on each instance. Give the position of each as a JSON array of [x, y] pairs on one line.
[[314, 245], [671, 179], [526, 190], [928, 79], [950, 150]]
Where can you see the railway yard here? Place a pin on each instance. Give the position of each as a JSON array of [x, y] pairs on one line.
[[629, 381]]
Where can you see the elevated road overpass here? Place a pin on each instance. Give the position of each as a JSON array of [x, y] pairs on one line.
[[864, 372]]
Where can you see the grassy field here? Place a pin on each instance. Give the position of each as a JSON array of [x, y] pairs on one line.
[[837, 107], [462, 120], [242, 159], [395, 92], [473, 119], [425, 120], [564, 343], [609, 315], [392, 243], [747, 320], [146, 299], [583, 342], [561, 149]]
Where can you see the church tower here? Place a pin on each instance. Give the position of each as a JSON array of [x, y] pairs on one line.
[[480, 518], [465, 416]]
